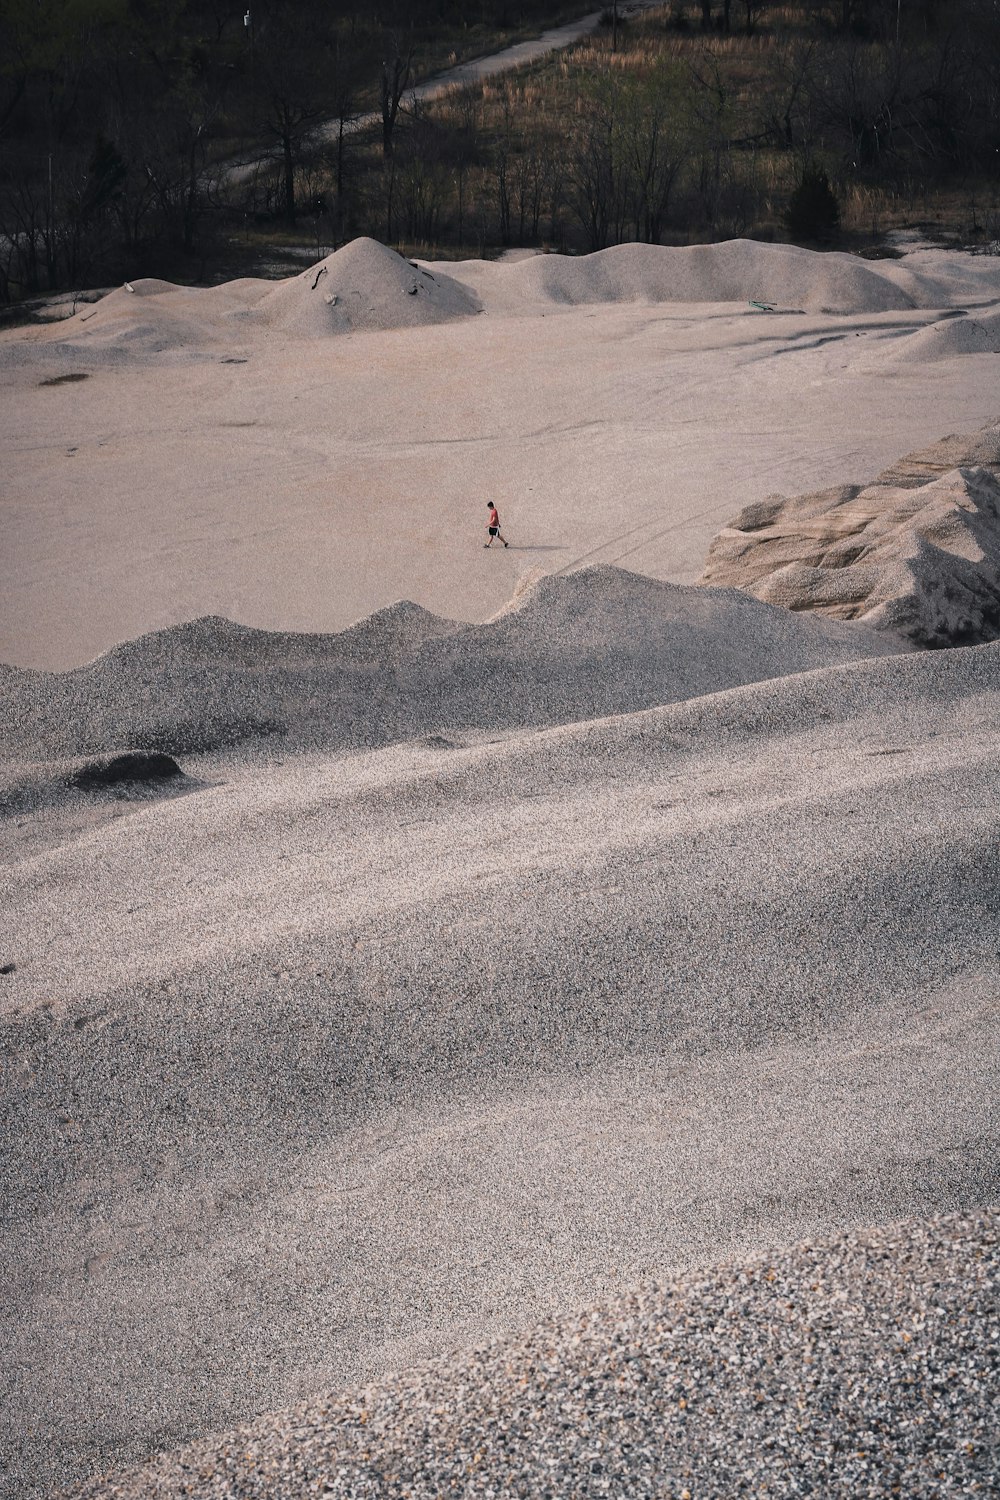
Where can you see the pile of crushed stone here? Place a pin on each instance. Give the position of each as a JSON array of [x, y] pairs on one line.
[[601, 641], [229, 1003], [784, 278], [366, 286], [865, 1365], [733, 271], [153, 317]]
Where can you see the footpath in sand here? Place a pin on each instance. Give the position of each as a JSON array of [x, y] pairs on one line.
[[456, 979]]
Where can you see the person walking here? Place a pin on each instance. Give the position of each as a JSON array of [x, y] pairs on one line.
[[493, 525]]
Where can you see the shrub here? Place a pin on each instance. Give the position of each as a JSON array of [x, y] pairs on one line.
[[813, 212]]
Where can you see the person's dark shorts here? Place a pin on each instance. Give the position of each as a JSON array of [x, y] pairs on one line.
[[493, 530]]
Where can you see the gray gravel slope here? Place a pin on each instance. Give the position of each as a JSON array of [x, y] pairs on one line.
[[601, 641], [331, 1064]]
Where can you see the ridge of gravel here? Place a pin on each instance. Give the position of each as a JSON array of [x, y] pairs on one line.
[[864, 1365], [601, 641]]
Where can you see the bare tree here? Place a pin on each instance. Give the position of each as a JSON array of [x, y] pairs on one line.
[[712, 129], [785, 114], [627, 153], [464, 148], [753, 10], [860, 100], [394, 81], [652, 130], [592, 177]]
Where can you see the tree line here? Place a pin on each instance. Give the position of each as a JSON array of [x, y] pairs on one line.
[[120, 119], [711, 122], [140, 136]]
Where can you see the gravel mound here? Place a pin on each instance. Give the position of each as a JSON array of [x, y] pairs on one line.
[[211, 683], [606, 641], [156, 317], [865, 1365], [601, 641], [943, 278], [147, 317], [364, 286]]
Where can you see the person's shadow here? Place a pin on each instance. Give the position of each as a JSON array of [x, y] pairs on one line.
[[540, 547]]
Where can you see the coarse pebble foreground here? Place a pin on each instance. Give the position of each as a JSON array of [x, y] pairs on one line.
[[326, 1067], [864, 1365]]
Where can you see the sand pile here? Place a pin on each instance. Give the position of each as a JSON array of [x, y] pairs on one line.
[[948, 339], [810, 1369], [153, 317], [936, 278], [364, 286], [959, 450], [148, 316], [606, 641], [921, 559], [328, 1065], [598, 642], [367, 286], [733, 271]]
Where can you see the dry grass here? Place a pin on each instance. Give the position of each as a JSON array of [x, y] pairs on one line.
[[728, 95]]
